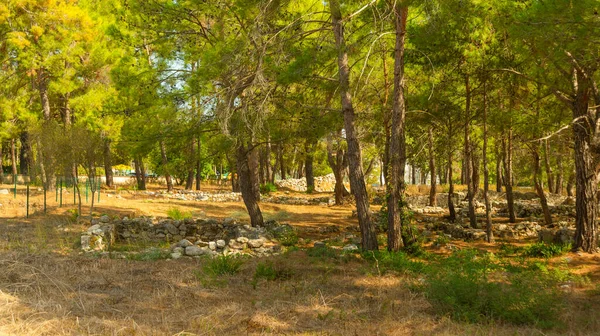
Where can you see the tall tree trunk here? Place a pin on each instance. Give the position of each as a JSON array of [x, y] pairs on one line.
[[13, 159], [140, 173], [66, 111], [338, 166], [43, 91], [269, 170], [191, 163], [309, 149], [586, 177], [498, 167], [25, 153], [1, 163], [537, 169], [558, 184], [281, 161], [357, 180], [508, 178], [165, 164], [246, 184], [475, 169], [452, 211], [432, 189], [253, 165], [108, 172], [571, 184], [467, 156], [549, 173], [486, 172], [199, 163], [413, 173]]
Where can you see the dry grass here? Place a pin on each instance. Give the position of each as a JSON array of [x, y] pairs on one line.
[[48, 288]]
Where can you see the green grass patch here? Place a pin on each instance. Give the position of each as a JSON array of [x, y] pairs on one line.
[[270, 271], [267, 188], [223, 265], [543, 250], [177, 214]]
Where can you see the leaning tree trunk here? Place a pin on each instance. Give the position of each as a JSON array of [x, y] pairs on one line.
[[486, 172], [432, 191], [165, 164], [338, 166], [467, 157], [537, 168], [253, 165], [108, 172], [357, 180], [246, 184], [508, 178]]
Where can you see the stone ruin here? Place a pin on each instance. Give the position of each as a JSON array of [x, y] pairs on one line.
[[187, 237]]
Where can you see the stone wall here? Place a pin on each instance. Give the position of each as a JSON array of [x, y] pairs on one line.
[[186, 237], [322, 184]]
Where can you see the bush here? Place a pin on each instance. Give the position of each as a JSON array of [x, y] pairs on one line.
[[472, 288], [177, 214], [543, 250], [267, 188], [394, 261], [223, 265], [286, 235], [151, 254], [270, 272], [322, 252]]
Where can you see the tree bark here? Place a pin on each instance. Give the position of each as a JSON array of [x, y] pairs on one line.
[[253, 165], [452, 211], [586, 175], [486, 172], [571, 185], [1, 163], [25, 153], [467, 156], [558, 184], [281, 162], [498, 168], [43, 91], [108, 172], [549, 173], [13, 159], [165, 164], [309, 148], [246, 184], [432, 189], [357, 180], [508, 178], [191, 163], [537, 168], [140, 173], [199, 163], [338, 166]]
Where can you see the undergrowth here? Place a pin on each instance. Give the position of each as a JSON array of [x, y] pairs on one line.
[[177, 214]]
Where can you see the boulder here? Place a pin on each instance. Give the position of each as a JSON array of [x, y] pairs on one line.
[[350, 248], [193, 251]]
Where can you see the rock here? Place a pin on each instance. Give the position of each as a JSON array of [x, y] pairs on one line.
[[172, 229], [201, 243], [319, 244], [256, 243], [229, 221], [221, 243], [85, 243], [350, 248], [179, 250], [184, 243], [104, 219], [242, 240], [175, 255], [4, 192], [193, 251], [212, 245]]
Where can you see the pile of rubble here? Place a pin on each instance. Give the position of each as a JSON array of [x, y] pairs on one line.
[[322, 184], [190, 237], [292, 200]]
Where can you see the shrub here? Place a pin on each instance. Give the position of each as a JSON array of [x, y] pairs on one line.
[[322, 252], [393, 261], [286, 235], [270, 272], [472, 288], [267, 188], [177, 214], [544, 250], [151, 254], [223, 265]]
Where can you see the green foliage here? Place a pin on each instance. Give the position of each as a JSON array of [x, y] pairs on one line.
[[324, 252], [544, 250], [399, 262], [267, 188], [223, 265], [177, 214], [270, 271], [149, 255]]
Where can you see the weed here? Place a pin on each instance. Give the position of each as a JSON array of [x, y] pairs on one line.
[[223, 265], [287, 237], [150, 254], [324, 252], [267, 188], [544, 250], [393, 261], [177, 214], [270, 272]]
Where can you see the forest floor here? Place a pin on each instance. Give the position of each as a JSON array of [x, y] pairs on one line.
[[48, 287]]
